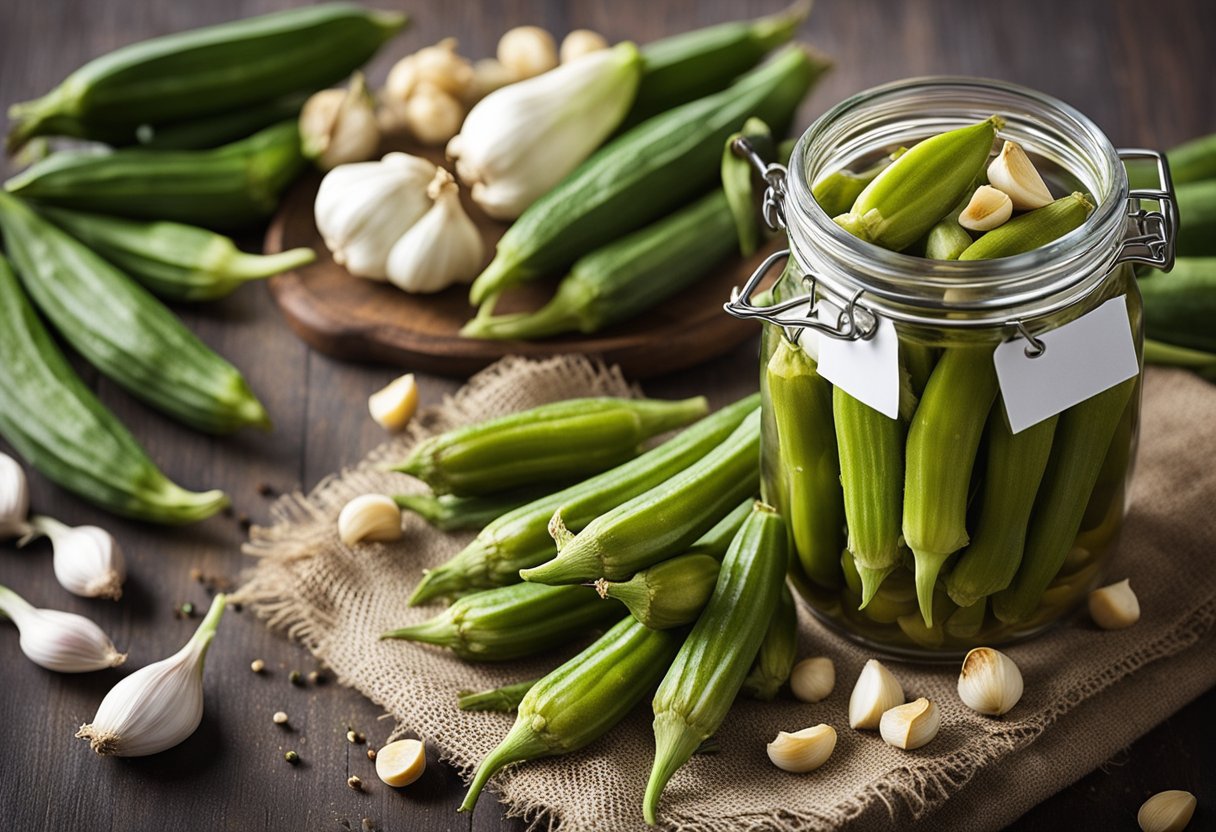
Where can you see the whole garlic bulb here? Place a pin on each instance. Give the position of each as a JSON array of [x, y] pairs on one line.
[[527, 51], [157, 706], [442, 248], [362, 209], [59, 641], [88, 561], [989, 683], [14, 498], [581, 42], [339, 126]]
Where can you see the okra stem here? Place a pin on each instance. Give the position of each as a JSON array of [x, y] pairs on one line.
[[501, 700], [668, 594], [450, 514]]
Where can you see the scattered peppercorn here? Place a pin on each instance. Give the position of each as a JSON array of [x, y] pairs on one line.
[[265, 489], [353, 736], [371, 754], [316, 678], [187, 609], [257, 665], [355, 782], [294, 677], [292, 757], [280, 718]]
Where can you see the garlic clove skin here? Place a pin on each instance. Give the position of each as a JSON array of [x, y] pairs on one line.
[[877, 691], [394, 406], [521, 140], [338, 127], [370, 517], [362, 209], [527, 51], [1014, 174], [990, 682], [987, 209], [60, 641], [14, 498], [432, 115], [444, 247], [158, 706], [1168, 811], [1114, 607], [911, 726], [812, 680], [88, 560], [580, 42], [802, 751]]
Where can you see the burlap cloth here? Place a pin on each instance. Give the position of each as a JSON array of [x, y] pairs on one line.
[[1088, 693]]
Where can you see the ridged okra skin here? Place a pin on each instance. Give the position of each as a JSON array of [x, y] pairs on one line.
[[837, 191], [1179, 307], [1031, 230], [57, 424], [778, 651], [206, 71], [124, 331], [669, 594], [449, 513], [1197, 210], [520, 538], [709, 669], [512, 621], [663, 521], [801, 401], [553, 443], [581, 700], [503, 700]]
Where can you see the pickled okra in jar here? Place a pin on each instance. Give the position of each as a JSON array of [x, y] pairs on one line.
[[942, 529]]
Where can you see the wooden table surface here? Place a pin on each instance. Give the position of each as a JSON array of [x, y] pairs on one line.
[[1143, 70]]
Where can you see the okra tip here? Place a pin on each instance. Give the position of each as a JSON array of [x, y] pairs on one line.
[[928, 567], [871, 580], [440, 631], [573, 565], [674, 742], [520, 744], [437, 583]]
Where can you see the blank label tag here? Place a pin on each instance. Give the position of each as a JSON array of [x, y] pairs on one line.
[[866, 370], [1083, 357]]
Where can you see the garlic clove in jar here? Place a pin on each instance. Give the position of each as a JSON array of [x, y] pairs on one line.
[[88, 560], [1013, 173], [441, 248]]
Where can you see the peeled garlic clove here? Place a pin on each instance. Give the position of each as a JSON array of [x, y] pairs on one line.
[[990, 683], [338, 127], [88, 561], [1168, 811], [401, 763], [803, 751], [394, 406], [59, 641], [581, 42], [1114, 607], [1013, 173], [432, 115], [14, 498], [369, 517], [441, 66], [158, 706], [912, 725], [812, 680], [987, 209], [877, 691], [442, 248], [527, 51], [402, 79]]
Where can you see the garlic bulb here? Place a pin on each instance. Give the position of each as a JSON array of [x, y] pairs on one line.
[[581, 42], [990, 683], [59, 641], [443, 247], [369, 517], [1012, 173], [157, 706], [362, 209], [439, 65], [338, 127], [1168, 811], [520, 141], [88, 561], [812, 680], [876, 692], [14, 498], [912, 725], [527, 51], [1114, 607], [804, 750]]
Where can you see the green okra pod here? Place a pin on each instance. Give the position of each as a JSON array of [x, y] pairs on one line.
[[943, 439], [966, 622], [778, 651], [801, 401], [500, 700], [1197, 210], [122, 330], [174, 261], [947, 240], [717, 540], [223, 128], [581, 700], [1179, 307], [668, 594], [511, 621], [455, 514], [738, 181], [57, 424], [1083, 439], [1013, 471], [708, 671], [1031, 230], [1191, 161], [520, 538], [660, 523], [556, 442], [920, 187], [837, 191], [1168, 355]]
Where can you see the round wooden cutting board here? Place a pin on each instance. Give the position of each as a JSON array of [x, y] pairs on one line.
[[352, 318]]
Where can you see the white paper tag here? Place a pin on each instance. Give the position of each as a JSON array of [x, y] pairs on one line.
[[868, 370], [1083, 357]]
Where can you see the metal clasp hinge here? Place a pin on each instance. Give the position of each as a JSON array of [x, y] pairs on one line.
[[1156, 231], [774, 176]]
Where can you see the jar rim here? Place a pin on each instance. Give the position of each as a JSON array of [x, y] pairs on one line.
[[975, 293]]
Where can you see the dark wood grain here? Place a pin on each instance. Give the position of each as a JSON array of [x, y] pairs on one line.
[[1143, 70]]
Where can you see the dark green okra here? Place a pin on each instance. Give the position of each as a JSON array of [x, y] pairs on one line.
[[499, 700], [581, 700], [668, 594], [663, 521], [738, 178], [1031, 230], [455, 514], [520, 538], [778, 651], [710, 668], [511, 621], [1197, 211], [1179, 307]]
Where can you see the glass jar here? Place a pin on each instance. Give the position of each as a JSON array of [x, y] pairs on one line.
[[1038, 512]]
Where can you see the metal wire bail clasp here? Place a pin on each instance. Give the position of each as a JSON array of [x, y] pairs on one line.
[[774, 175], [1155, 231]]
